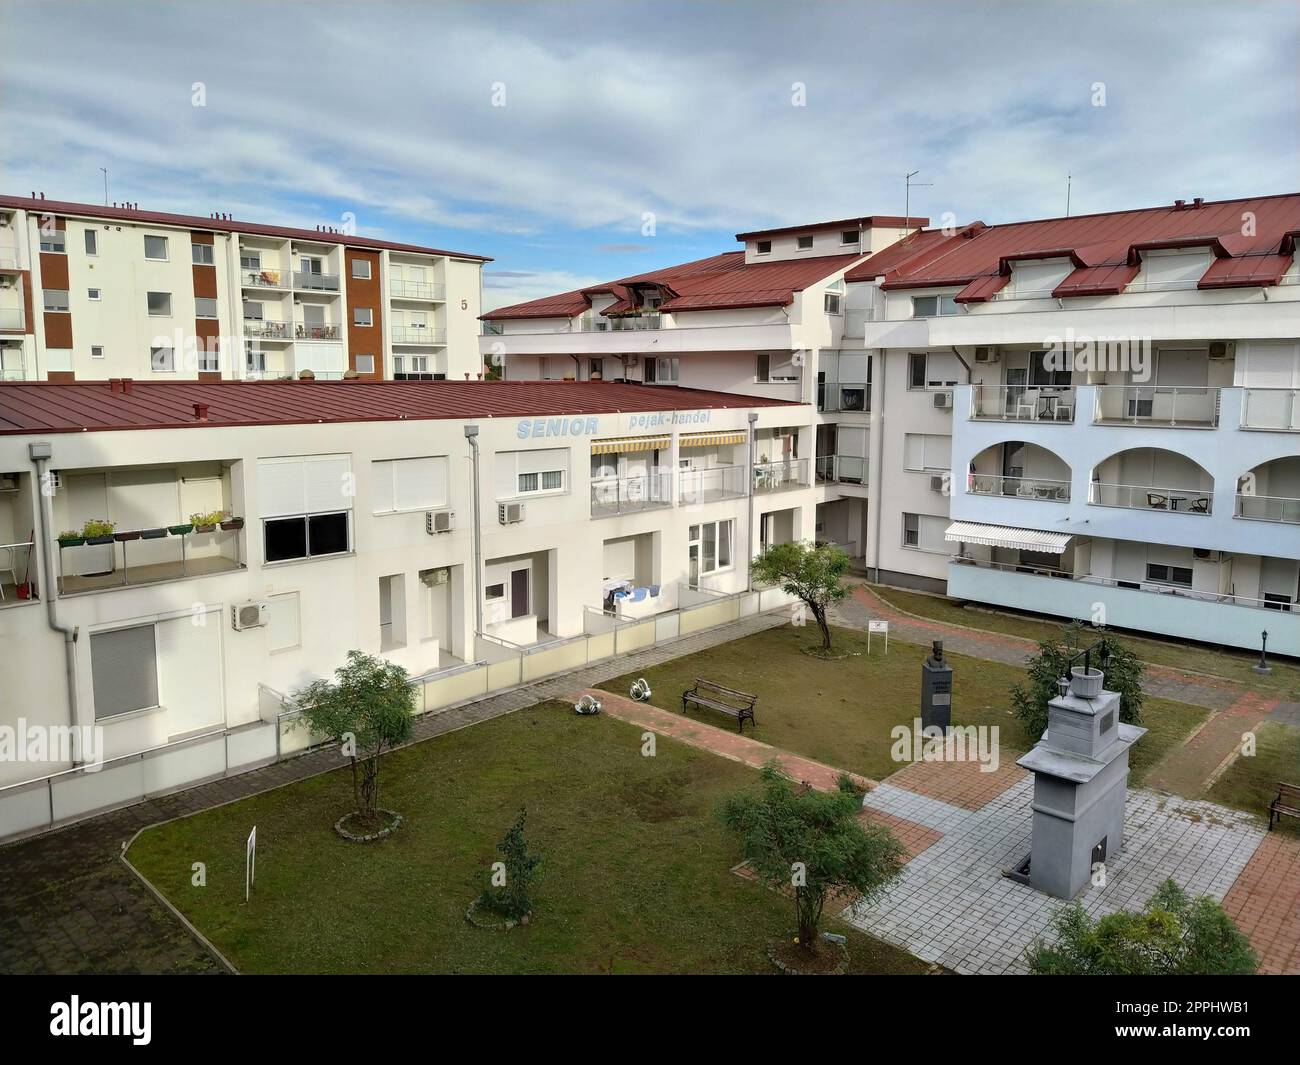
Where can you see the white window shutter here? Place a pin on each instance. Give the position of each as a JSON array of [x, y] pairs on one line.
[[384, 494], [280, 488], [326, 482]]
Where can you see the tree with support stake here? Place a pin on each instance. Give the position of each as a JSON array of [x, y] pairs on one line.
[[812, 573]]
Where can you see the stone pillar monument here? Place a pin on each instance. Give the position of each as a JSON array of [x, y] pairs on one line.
[[936, 689], [1080, 769]]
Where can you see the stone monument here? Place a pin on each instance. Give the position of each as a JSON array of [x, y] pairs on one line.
[[936, 689]]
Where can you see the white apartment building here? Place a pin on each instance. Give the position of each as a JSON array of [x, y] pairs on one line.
[[90, 293], [258, 531], [953, 454]]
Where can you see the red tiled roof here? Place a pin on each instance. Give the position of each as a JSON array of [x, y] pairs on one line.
[[219, 225], [38, 407], [1108, 248], [890, 258], [869, 221]]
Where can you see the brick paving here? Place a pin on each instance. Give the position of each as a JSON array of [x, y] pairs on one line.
[[1265, 903], [1191, 768], [961, 784]]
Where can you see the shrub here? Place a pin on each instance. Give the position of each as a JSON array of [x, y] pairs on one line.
[[1123, 675], [512, 899]]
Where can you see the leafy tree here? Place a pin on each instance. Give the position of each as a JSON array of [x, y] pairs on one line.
[[811, 572], [512, 898], [1173, 936], [368, 707], [813, 842], [1123, 675]]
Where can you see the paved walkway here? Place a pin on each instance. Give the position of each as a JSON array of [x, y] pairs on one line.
[[67, 905]]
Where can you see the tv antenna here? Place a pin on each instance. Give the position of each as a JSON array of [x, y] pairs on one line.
[[908, 186], [104, 171], [1068, 181]]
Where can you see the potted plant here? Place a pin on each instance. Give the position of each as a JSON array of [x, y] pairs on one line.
[[207, 522], [231, 523], [181, 530], [152, 534], [71, 538], [98, 532], [122, 537]]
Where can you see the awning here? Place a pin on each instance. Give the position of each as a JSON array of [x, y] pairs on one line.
[[630, 443], [721, 439], [973, 532]]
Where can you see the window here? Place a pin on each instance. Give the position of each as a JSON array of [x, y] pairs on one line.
[[1040, 374], [204, 307], [419, 363], [252, 310], [399, 362], [160, 304], [911, 530], [934, 370], [709, 547], [56, 299], [1160, 574], [409, 484], [763, 247], [543, 481], [92, 294], [362, 316], [661, 371], [305, 503], [92, 242], [933, 306], [361, 269], [925, 532], [365, 364], [916, 371], [250, 260], [831, 302], [96, 351], [124, 670], [54, 240], [775, 368], [494, 591], [1277, 601], [255, 360], [162, 359], [926, 451], [201, 254], [155, 248], [209, 360], [849, 236], [805, 242], [521, 473]]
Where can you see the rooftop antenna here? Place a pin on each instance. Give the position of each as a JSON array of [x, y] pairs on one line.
[[908, 186], [1068, 181], [104, 171]]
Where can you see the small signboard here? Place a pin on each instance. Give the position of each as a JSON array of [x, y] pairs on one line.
[[878, 625], [250, 863]]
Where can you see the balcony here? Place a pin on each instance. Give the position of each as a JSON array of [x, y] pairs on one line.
[[1023, 403], [625, 324], [1159, 406], [1268, 508], [418, 335], [841, 469], [306, 281], [8, 258], [612, 496], [315, 331], [780, 476], [12, 318], [147, 556], [1149, 497], [710, 484], [267, 329], [417, 290], [832, 396], [1271, 408], [1042, 488], [275, 279]]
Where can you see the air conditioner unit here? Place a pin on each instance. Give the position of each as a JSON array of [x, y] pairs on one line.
[[1204, 554], [439, 521], [943, 401], [249, 615], [431, 578], [510, 513], [937, 481], [1223, 349], [987, 354]]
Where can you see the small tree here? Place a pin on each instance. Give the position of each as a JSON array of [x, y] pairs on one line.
[[1173, 936], [813, 573], [368, 707], [511, 899], [812, 842], [1123, 675]]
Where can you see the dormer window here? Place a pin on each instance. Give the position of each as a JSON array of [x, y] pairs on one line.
[[762, 247], [849, 236], [805, 242]]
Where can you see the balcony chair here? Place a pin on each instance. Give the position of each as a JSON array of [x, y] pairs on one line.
[[1156, 501], [8, 564], [1200, 505], [1063, 407]]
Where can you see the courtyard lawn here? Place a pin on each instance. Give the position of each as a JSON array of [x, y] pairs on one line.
[[841, 712], [1251, 783], [635, 875], [1233, 665]]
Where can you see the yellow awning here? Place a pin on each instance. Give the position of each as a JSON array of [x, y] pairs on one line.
[[720, 439], [630, 443]]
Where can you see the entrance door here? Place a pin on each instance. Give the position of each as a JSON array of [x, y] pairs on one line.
[[518, 593]]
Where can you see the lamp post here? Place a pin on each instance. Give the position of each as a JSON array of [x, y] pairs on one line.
[[1262, 665]]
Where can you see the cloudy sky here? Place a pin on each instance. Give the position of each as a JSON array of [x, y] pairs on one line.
[[545, 134]]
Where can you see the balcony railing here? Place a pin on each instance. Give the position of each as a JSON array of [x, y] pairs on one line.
[[1268, 508], [418, 335], [841, 469], [1157, 405], [710, 484], [778, 476], [416, 290], [11, 318], [629, 495], [990, 484], [1023, 403], [1271, 408], [834, 396], [264, 278], [8, 257], [1149, 497], [856, 319], [167, 549], [267, 329], [315, 331], [305, 279], [625, 324]]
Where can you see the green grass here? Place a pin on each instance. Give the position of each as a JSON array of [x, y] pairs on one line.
[[635, 876], [1232, 665], [841, 712], [1251, 783]]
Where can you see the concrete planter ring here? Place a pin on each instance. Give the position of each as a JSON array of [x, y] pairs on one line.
[[480, 917], [345, 826]]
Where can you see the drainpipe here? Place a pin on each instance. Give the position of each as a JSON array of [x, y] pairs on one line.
[[876, 461], [471, 435], [749, 495], [40, 455]]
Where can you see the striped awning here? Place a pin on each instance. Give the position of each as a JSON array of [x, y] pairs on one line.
[[719, 439], [974, 532], [623, 444]]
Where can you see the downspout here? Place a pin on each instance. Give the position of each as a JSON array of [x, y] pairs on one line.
[[471, 435], [879, 463], [40, 455], [749, 496], [964, 363]]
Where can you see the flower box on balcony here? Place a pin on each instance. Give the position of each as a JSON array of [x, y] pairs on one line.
[[72, 541], [205, 527], [152, 534], [233, 523], [123, 537], [180, 530], [98, 541]]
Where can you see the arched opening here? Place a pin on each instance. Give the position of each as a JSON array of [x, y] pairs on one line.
[[1271, 491], [1151, 478], [1020, 470]]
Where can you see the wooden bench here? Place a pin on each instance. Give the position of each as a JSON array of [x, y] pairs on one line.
[[739, 705], [1287, 803]]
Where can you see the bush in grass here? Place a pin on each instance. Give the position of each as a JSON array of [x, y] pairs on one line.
[[368, 706], [813, 842], [813, 573], [1123, 675], [512, 899], [1173, 936]]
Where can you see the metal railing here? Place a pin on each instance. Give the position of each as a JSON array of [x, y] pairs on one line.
[[1268, 508], [628, 495], [267, 329], [1151, 497], [624, 324], [777, 476], [1157, 405], [994, 484], [834, 396], [416, 290], [14, 557], [1271, 408], [841, 469], [305, 279], [418, 335], [1023, 403], [175, 567], [709, 484], [264, 278], [856, 319], [315, 331]]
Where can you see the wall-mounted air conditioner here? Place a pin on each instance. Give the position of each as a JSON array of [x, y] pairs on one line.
[[943, 401], [1223, 349], [432, 578], [1204, 554], [987, 354], [250, 615], [439, 521], [937, 481], [510, 513]]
